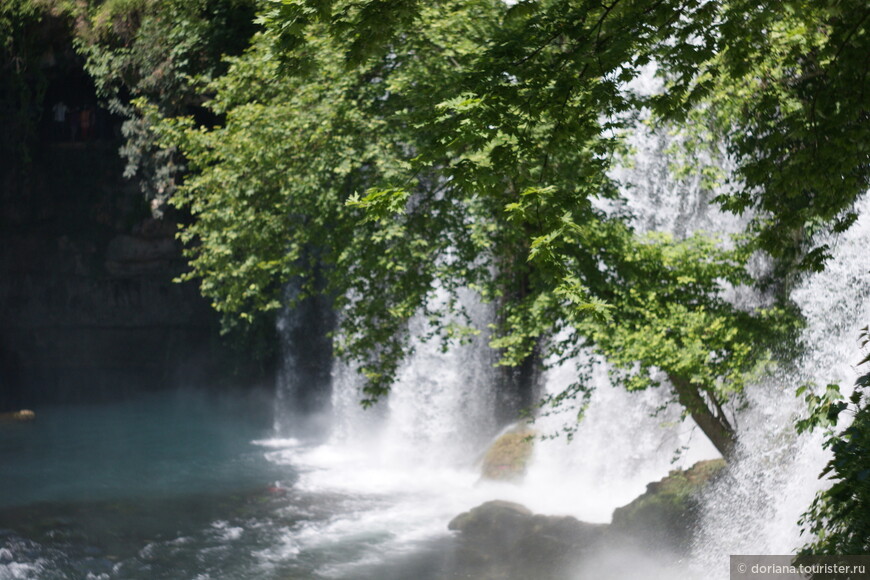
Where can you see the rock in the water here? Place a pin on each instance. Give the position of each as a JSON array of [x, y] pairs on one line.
[[501, 540], [492, 516], [508, 456], [665, 516], [22, 416]]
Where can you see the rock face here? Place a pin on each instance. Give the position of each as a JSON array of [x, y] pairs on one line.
[[129, 256], [665, 516], [88, 307], [502, 540], [508, 456]]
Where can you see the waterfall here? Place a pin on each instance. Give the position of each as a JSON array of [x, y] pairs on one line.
[[387, 479], [402, 469], [441, 408], [303, 382], [755, 510], [625, 440]]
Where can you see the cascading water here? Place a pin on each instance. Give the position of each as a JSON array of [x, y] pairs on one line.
[[624, 441], [439, 411], [755, 510], [397, 473], [627, 440], [303, 381], [370, 497], [169, 486], [389, 478]]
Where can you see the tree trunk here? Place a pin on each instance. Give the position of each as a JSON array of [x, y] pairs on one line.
[[712, 422], [519, 389]]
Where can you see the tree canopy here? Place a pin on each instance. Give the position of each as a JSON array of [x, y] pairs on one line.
[[411, 148]]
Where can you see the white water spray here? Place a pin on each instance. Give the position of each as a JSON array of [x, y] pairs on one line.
[[626, 440], [775, 477], [439, 411], [400, 471]]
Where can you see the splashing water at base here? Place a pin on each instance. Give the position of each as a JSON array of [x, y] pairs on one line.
[[395, 477], [404, 470], [373, 501], [625, 441]]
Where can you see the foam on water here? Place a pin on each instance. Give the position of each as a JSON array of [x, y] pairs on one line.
[[398, 473], [392, 476]]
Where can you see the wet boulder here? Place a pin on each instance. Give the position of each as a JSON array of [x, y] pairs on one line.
[[666, 515], [501, 540], [508, 456]]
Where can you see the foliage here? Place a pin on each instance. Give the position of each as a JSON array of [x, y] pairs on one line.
[[163, 51], [823, 410], [21, 82], [15, 16], [262, 211], [467, 145], [781, 85], [837, 518], [413, 149]]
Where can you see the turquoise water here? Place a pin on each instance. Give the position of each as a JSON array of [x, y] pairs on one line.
[[181, 486], [158, 445]]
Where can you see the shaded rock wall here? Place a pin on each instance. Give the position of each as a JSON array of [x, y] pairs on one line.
[[88, 309]]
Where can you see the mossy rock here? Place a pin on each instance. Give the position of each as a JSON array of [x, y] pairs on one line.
[[502, 540], [508, 456], [666, 515]]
